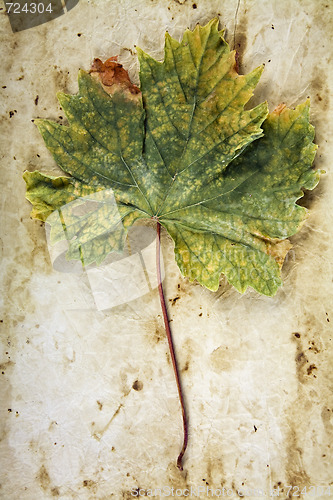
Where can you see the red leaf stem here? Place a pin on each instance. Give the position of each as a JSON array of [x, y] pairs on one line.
[[170, 342]]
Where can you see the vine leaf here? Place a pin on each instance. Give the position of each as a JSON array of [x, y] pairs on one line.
[[221, 179]]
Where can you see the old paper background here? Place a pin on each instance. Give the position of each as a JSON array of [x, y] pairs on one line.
[[89, 404]]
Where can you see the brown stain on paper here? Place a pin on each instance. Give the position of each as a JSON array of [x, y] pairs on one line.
[[155, 331], [137, 385], [320, 91], [90, 485], [45, 482], [311, 390], [239, 40], [295, 473], [221, 359]]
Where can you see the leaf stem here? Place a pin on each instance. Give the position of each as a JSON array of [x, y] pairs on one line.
[[170, 342]]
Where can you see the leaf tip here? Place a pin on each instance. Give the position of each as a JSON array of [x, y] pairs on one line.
[[40, 124], [213, 23], [139, 51], [26, 176], [82, 73]]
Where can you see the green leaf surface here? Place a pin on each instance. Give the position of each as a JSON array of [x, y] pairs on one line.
[[221, 179]]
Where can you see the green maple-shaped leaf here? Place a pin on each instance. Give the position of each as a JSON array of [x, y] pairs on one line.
[[183, 151]]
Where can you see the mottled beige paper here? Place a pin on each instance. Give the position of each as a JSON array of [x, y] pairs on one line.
[[89, 404]]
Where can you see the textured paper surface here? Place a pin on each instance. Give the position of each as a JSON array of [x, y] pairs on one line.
[[89, 404]]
